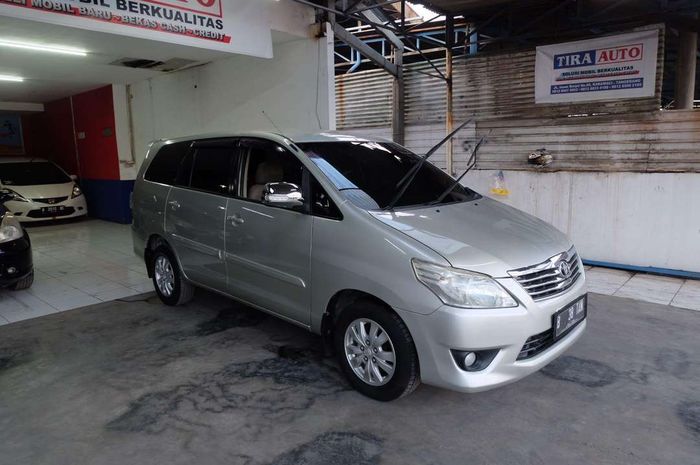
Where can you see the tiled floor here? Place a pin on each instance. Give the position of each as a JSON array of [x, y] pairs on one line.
[[75, 265], [91, 261], [684, 293]]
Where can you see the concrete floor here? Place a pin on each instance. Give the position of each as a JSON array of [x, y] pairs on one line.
[[217, 383]]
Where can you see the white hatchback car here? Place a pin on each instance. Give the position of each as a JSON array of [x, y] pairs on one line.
[[39, 190]]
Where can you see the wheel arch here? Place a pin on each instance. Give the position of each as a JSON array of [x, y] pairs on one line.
[[154, 241], [337, 303]]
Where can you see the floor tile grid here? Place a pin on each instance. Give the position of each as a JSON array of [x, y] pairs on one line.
[[606, 281], [688, 296], [77, 265]]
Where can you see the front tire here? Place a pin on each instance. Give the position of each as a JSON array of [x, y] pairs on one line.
[[375, 351], [170, 285]]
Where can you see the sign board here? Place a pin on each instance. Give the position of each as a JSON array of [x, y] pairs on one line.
[[10, 131], [614, 67], [235, 26]]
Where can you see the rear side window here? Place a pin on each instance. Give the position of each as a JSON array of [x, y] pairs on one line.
[[211, 169], [166, 163]]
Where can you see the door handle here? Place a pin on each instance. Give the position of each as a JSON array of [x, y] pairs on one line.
[[236, 219], [174, 204]]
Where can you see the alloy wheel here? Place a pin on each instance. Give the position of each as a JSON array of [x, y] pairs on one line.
[[370, 352], [165, 277]]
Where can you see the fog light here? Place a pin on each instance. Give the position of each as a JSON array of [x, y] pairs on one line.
[[469, 359], [474, 360], [11, 270]]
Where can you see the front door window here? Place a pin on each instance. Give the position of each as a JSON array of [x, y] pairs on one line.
[[268, 162]]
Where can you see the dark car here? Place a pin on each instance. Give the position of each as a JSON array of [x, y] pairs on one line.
[[16, 267]]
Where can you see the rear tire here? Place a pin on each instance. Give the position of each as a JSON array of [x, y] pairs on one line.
[[24, 283], [168, 281], [369, 367]]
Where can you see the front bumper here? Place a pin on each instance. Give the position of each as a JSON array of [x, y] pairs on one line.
[[15, 255], [455, 329], [32, 211]]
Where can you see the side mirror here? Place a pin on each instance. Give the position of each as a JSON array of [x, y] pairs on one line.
[[283, 194], [74, 177]]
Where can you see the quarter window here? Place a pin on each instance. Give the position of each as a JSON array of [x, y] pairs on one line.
[[321, 203]]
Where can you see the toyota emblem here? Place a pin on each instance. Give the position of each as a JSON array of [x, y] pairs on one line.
[[564, 269]]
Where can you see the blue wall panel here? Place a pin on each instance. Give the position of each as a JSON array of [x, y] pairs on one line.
[[108, 200]]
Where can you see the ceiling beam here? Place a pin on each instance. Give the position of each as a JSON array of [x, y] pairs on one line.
[[343, 14], [343, 35], [386, 32]]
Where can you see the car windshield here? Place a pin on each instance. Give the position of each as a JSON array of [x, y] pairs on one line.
[[367, 173], [31, 174]]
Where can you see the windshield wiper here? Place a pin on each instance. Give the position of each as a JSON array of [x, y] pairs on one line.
[[413, 172], [470, 164]]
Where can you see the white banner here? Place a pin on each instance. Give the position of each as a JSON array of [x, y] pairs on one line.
[[235, 26], [613, 67]]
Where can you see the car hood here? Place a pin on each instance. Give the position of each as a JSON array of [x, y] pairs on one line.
[[43, 191], [484, 236]]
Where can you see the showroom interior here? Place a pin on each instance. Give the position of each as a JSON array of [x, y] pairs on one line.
[[94, 368]]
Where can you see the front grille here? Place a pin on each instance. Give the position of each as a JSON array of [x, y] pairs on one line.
[[49, 214], [549, 278], [51, 201], [537, 344]]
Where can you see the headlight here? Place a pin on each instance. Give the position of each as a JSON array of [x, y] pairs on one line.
[[10, 229], [460, 288], [8, 194], [76, 192]]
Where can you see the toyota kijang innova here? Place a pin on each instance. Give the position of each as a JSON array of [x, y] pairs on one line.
[[406, 274]]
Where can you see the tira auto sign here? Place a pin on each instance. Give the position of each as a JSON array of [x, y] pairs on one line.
[[614, 67], [201, 23]]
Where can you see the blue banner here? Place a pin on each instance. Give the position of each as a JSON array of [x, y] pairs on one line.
[[10, 131]]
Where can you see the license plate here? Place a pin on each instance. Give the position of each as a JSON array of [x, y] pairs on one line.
[[56, 209], [567, 318]]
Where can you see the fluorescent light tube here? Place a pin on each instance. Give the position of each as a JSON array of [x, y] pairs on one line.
[[7, 77], [42, 48]]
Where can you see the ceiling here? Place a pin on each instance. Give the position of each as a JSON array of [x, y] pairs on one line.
[[476, 8], [49, 76], [458, 7]]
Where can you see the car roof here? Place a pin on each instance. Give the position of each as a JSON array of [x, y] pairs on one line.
[[326, 136], [21, 159], [333, 136]]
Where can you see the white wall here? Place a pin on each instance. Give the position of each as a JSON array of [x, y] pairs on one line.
[[292, 89], [292, 92], [127, 165], [642, 219]]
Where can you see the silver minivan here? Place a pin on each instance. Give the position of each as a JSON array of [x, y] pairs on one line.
[[407, 275]]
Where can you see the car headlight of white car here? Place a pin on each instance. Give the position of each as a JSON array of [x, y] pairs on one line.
[[461, 288], [77, 192], [10, 229], [10, 195]]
